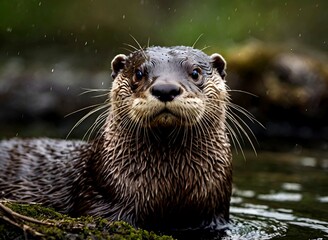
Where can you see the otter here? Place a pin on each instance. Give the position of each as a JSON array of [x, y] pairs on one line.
[[162, 159]]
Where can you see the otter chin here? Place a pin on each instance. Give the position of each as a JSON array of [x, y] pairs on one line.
[[161, 160]]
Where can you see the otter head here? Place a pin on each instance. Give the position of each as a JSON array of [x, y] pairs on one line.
[[168, 87]]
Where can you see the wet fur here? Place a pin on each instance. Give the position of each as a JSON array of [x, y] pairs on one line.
[[151, 173]]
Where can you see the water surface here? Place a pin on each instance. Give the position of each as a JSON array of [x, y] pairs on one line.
[[280, 195]]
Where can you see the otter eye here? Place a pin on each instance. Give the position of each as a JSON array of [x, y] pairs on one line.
[[139, 75], [195, 74]]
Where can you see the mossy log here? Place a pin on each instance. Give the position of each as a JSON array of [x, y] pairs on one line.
[[32, 221]]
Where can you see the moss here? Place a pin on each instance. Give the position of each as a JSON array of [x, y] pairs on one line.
[[18, 221]]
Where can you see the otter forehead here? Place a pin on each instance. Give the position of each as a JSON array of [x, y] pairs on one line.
[[184, 64], [179, 52], [159, 60]]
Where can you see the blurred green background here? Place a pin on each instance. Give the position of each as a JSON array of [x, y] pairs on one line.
[[51, 50], [100, 26]]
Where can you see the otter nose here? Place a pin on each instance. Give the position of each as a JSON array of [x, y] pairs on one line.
[[165, 92]]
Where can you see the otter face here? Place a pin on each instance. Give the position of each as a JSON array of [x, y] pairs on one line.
[[168, 87]]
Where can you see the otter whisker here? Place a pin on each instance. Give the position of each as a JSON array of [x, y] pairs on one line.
[[98, 122], [92, 90], [245, 113], [242, 91], [240, 124], [99, 108], [82, 109], [131, 46], [199, 37], [148, 42], [234, 137], [140, 47]]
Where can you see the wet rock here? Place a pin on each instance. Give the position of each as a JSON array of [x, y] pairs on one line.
[[291, 88]]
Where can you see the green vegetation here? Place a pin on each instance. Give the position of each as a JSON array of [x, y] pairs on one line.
[[18, 221], [102, 25]]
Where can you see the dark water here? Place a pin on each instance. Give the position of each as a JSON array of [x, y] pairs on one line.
[[280, 195]]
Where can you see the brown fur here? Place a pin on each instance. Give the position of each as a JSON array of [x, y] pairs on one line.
[[157, 170]]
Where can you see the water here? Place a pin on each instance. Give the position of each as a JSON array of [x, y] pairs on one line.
[[280, 195]]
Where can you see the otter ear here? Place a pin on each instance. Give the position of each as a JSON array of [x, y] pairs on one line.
[[118, 64], [219, 63]]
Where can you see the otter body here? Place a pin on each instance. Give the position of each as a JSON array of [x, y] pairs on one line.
[[162, 159]]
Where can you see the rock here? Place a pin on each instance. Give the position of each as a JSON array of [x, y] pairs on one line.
[[291, 88]]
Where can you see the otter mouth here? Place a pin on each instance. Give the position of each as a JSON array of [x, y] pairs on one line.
[[165, 111], [165, 117]]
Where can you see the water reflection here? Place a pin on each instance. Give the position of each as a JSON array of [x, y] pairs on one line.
[[280, 196]]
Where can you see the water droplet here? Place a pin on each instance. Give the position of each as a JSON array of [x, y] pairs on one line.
[[123, 16], [300, 35], [86, 43], [40, 3], [50, 89], [52, 70], [67, 88], [9, 29]]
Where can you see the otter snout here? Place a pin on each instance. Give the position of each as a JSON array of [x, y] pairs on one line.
[[165, 92]]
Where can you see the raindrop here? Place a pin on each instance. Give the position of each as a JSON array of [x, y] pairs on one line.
[[40, 3], [9, 29], [67, 88], [52, 70], [98, 27], [86, 43], [300, 35], [123, 16], [51, 89]]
